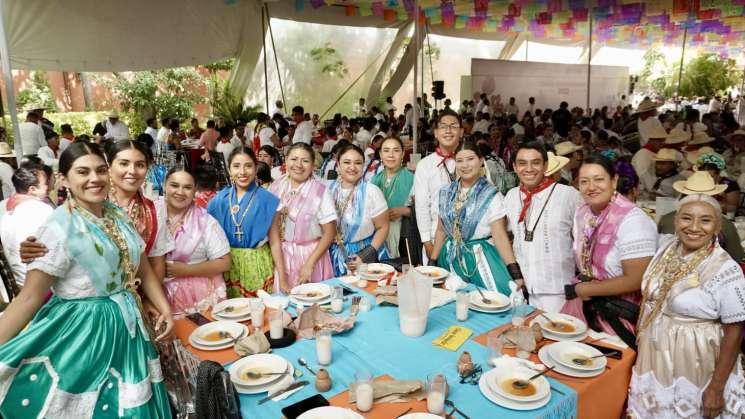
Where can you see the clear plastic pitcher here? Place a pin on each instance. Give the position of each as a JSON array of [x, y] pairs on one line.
[[414, 294]]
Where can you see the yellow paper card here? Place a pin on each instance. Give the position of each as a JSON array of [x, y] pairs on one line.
[[453, 338]]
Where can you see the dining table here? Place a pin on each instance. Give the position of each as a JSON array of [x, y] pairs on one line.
[[376, 345]]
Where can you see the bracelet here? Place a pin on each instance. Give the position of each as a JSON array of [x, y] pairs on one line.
[[570, 291], [514, 270]]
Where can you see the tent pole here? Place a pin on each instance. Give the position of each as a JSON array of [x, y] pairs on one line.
[[527, 45], [429, 51], [9, 90], [589, 61], [274, 50], [263, 43], [680, 67], [414, 111]]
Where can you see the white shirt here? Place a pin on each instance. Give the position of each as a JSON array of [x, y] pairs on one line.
[[494, 212], [429, 178], [16, 226], [303, 132], [387, 107], [637, 238], [375, 205], [547, 262], [63, 143], [265, 136], [359, 110], [328, 145], [278, 111], [697, 127], [163, 134], [644, 165], [152, 132], [225, 149], [118, 131], [362, 138], [32, 137], [481, 126], [237, 142], [6, 176], [49, 157], [212, 245], [646, 127], [511, 109], [519, 129], [325, 214], [715, 106]]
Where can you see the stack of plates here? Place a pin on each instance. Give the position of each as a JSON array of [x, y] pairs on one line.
[[438, 275], [499, 303], [331, 412], [207, 337], [562, 355], [496, 385], [561, 327], [259, 363], [235, 309], [377, 271], [311, 293]]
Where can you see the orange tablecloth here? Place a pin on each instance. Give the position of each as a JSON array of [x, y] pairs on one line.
[[603, 396], [380, 410]]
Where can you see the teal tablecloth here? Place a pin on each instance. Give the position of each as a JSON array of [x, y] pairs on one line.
[[377, 345]]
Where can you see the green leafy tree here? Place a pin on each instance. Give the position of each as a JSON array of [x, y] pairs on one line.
[[329, 61], [231, 108], [707, 75], [38, 92], [656, 75], [215, 83]]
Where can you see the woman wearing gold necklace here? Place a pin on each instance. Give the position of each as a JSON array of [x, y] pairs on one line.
[[471, 239], [201, 252], [87, 352], [248, 215], [690, 327]]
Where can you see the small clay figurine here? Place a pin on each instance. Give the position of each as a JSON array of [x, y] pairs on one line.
[[323, 380], [465, 364]]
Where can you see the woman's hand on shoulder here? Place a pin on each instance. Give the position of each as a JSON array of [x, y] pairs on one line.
[[31, 250]]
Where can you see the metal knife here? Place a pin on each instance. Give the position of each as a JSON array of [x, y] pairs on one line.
[[283, 391]]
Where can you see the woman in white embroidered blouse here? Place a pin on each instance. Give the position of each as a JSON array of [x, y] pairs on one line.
[[690, 327]]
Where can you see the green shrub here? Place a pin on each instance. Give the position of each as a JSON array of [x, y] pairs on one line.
[[82, 122]]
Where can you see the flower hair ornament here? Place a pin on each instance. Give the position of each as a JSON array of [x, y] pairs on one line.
[[711, 158]]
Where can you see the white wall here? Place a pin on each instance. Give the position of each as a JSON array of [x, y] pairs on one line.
[[549, 83]]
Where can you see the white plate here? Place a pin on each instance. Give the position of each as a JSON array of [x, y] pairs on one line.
[[241, 304], [504, 402], [265, 388], [233, 328], [579, 326], [330, 412], [541, 384], [419, 415], [437, 274], [213, 348], [309, 303], [498, 300], [243, 318], [381, 267], [349, 279], [483, 310], [546, 359], [563, 352], [323, 290], [550, 336], [266, 362]]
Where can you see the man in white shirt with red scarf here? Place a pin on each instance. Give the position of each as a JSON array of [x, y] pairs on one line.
[[540, 214]]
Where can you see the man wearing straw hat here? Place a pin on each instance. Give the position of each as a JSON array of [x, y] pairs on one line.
[[666, 167], [643, 160], [573, 153], [540, 214], [115, 129], [6, 170], [648, 122], [735, 153], [701, 182]]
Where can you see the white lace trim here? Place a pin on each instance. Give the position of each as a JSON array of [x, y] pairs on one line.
[[648, 398], [156, 373], [70, 405], [7, 375]]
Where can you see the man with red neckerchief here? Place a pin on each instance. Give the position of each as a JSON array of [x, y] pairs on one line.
[[540, 214], [432, 173]]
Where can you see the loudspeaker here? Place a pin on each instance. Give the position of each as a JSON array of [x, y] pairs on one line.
[[438, 89]]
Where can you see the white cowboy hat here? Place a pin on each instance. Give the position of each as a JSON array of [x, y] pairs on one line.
[[700, 182], [647, 105], [566, 147], [6, 151], [677, 136], [737, 133], [666, 154], [700, 138], [112, 114], [657, 133], [555, 163], [33, 106], [692, 156]]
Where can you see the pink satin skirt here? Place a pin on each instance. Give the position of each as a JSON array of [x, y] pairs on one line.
[[192, 294], [295, 255]]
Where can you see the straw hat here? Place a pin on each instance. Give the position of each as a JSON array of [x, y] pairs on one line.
[[555, 163], [701, 138], [566, 147], [33, 106], [647, 105], [657, 133], [112, 114], [666, 154], [738, 133], [692, 156], [6, 151], [677, 136], [700, 182]]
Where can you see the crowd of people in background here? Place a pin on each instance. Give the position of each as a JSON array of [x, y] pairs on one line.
[[547, 200]]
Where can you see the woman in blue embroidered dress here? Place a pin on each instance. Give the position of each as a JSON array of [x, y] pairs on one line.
[[471, 239], [87, 352], [362, 215]]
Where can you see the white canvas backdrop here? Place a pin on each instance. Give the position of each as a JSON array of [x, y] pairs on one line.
[[549, 83]]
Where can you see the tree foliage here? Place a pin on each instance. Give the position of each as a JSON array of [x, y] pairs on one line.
[[704, 75], [38, 92], [329, 61], [231, 108]]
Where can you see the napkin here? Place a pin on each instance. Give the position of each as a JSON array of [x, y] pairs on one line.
[[510, 361], [313, 319], [453, 338], [285, 382], [387, 295], [606, 338], [440, 297], [454, 282], [393, 391], [255, 343]]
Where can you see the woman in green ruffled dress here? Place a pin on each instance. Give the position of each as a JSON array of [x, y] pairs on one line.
[[88, 352]]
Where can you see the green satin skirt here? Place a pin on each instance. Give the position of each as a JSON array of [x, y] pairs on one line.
[[465, 265], [77, 359]]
